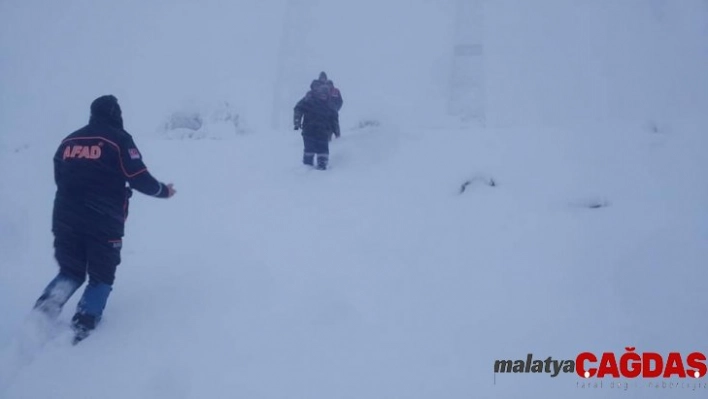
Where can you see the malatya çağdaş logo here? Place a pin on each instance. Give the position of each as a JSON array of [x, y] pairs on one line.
[[630, 364]]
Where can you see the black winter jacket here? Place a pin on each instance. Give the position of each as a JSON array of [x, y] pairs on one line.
[[316, 117], [91, 169]]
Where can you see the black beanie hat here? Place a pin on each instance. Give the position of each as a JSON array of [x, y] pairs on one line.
[[323, 76], [106, 108]]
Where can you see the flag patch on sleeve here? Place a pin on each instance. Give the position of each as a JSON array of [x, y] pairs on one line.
[[134, 154]]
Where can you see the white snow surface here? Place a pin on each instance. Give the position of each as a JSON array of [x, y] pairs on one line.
[[263, 278]]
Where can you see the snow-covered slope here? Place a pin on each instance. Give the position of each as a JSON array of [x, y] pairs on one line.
[[377, 278]]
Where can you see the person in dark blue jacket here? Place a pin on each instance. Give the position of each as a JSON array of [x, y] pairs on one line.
[[96, 168], [334, 95], [318, 121]]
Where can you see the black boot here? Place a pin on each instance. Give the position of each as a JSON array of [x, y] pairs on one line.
[[308, 159], [82, 324], [322, 161]]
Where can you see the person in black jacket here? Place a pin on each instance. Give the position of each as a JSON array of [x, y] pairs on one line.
[[318, 122], [95, 170], [334, 98]]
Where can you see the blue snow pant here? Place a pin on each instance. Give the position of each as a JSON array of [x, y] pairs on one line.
[[78, 254], [316, 147]]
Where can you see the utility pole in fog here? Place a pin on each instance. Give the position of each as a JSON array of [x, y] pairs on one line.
[[294, 33], [467, 82]]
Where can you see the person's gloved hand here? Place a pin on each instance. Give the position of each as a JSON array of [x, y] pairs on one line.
[[171, 191]]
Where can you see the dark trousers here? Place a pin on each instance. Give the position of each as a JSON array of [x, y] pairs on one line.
[[318, 147], [80, 254]]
